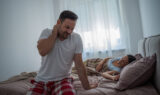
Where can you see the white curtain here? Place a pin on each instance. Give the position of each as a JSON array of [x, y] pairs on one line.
[[99, 24]]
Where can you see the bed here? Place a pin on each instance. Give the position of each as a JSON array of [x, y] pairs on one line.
[[18, 85]]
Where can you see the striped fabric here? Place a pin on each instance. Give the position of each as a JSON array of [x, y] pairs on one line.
[[62, 87]]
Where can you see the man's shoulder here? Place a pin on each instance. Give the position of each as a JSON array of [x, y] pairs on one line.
[[45, 33], [47, 30], [75, 35]]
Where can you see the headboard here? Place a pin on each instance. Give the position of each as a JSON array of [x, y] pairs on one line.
[[147, 47]]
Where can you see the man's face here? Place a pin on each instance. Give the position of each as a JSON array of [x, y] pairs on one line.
[[66, 28]]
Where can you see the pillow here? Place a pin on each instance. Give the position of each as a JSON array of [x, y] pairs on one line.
[[138, 56], [137, 73]]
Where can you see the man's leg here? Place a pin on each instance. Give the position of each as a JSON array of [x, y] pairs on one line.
[[64, 87], [38, 88]]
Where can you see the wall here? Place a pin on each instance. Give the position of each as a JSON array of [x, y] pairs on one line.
[[21, 22], [150, 12]]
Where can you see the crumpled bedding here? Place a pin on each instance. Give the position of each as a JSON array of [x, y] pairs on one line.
[[107, 87], [18, 85], [21, 76]]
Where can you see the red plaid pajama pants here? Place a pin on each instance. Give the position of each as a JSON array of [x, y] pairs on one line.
[[62, 87]]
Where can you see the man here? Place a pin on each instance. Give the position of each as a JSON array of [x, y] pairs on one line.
[[59, 47]]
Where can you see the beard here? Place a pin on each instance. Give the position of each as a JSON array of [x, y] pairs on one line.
[[63, 35]]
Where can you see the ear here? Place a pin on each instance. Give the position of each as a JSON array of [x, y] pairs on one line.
[[58, 21]]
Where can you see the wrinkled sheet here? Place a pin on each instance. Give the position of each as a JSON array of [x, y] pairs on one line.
[[107, 87], [18, 85]]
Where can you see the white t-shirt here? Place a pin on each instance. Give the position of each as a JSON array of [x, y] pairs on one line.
[[57, 64]]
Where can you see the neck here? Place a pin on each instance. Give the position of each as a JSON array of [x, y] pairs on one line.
[[61, 38]]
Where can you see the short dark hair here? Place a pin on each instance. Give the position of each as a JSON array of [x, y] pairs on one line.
[[131, 58], [68, 14]]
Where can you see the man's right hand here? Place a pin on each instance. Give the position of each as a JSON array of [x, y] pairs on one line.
[[45, 45], [55, 29]]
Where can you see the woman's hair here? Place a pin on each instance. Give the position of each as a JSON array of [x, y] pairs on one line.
[[131, 58], [68, 14]]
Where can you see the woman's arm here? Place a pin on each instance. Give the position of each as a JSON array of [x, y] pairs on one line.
[[100, 65], [109, 75], [113, 72]]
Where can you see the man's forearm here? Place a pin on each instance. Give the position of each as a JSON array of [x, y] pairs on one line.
[[45, 45], [82, 71], [83, 77]]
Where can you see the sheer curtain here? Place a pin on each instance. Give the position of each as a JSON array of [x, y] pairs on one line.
[[99, 24]]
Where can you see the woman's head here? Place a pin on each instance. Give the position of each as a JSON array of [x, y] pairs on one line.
[[126, 60], [131, 58]]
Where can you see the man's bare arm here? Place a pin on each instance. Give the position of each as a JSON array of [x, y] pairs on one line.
[[45, 45], [81, 71]]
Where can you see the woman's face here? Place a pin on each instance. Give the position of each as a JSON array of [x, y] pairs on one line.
[[123, 62]]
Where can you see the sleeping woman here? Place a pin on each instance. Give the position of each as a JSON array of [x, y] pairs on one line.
[[113, 66]]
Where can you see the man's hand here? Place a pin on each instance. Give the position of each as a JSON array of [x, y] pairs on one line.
[[93, 85], [45, 45], [55, 29]]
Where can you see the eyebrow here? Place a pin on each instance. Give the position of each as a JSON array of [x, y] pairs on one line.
[[69, 26]]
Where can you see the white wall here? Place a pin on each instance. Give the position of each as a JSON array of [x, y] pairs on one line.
[[150, 12], [21, 22], [132, 15]]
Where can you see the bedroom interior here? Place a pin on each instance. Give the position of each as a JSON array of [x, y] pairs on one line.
[[132, 28]]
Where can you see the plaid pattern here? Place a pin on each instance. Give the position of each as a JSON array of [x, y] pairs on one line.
[[62, 87]]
